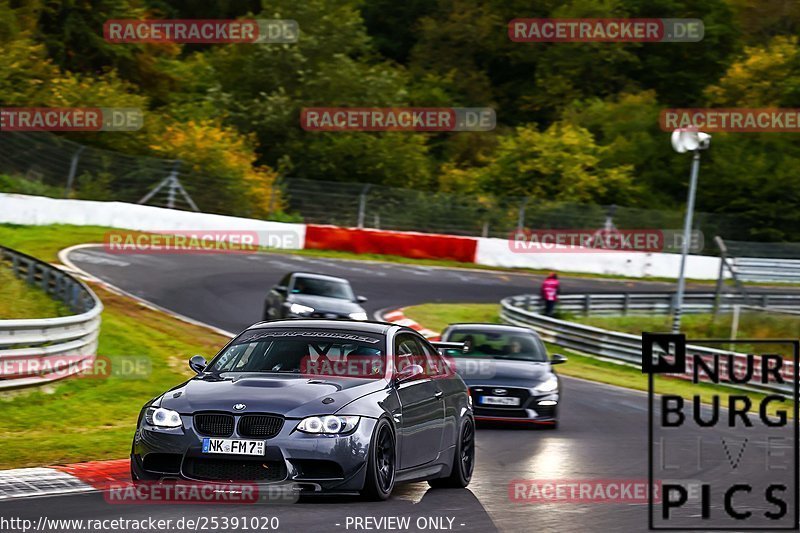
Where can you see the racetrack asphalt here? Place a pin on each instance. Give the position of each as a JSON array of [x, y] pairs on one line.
[[603, 431], [228, 290]]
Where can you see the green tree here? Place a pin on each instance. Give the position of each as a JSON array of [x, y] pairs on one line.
[[562, 162]]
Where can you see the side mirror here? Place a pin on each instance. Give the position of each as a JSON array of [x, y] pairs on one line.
[[557, 359], [410, 372], [198, 363], [361, 299], [280, 289]]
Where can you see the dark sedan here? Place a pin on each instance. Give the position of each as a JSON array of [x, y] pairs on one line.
[[325, 406], [508, 372], [309, 295]]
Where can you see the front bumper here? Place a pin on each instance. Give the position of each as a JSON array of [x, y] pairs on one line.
[[313, 463], [533, 408]]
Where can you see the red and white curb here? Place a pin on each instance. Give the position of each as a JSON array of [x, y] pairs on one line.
[[64, 479], [398, 317]]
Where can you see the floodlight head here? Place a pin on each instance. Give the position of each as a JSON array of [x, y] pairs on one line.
[[686, 141]]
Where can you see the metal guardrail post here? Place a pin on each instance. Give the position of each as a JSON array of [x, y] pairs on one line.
[[587, 304], [626, 304], [362, 206], [721, 275]]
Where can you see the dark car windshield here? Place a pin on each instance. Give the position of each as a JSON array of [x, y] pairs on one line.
[[326, 353], [323, 287], [498, 345]]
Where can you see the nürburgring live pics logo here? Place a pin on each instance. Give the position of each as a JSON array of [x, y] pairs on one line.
[[726, 459]]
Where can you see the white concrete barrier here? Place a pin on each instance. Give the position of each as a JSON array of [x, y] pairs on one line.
[[35, 210], [496, 252], [39, 211]]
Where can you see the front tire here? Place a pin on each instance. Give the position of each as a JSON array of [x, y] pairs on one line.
[[463, 460], [381, 463]]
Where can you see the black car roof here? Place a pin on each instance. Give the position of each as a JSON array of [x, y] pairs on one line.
[[490, 327], [366, 326], [315, 275]]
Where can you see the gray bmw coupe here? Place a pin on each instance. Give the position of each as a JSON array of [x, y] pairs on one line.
[[327, 406]]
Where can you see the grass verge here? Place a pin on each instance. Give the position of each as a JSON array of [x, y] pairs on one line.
[[437, 316], [92, 418], [18, 299], [751, 325]]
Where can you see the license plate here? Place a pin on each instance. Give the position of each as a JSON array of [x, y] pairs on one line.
[[499, 400], [233, 446]]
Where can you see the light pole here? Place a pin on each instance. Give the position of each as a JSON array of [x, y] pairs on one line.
[[682, 142]]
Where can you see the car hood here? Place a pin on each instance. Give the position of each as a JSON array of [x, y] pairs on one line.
[[476, 371], [326, 304], [288, 395]]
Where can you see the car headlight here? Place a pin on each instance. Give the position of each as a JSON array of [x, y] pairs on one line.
[[163, 418], [300, 309], [549, 385], [358, 316], [328, 425]]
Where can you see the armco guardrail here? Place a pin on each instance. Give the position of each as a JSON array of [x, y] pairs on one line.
[[37, 351], [660, 303], [616, 345], [767, 270]]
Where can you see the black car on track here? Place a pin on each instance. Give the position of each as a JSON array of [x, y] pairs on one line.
[[326, 406], [508, 371], [311, 295]]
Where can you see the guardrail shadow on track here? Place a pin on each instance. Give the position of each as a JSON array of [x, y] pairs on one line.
[[624, 347], [42, 350]]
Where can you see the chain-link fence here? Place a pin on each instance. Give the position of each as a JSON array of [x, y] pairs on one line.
[[50, 165], [371, 206], [777, 250]]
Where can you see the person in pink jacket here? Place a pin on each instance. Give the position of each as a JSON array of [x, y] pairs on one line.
[[549, 293]]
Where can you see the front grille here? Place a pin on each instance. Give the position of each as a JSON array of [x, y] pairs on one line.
[[328, 315], [262, 426], [234, 470], [214, 424], [506, 413], [510, 392]]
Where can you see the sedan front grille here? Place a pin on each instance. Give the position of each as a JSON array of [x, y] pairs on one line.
[[503, 413], [261, 426], [509, 392], [214, 424]]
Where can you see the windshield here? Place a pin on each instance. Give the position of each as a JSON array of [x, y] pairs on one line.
[[323, 287], [325, 353], [498, 345]]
